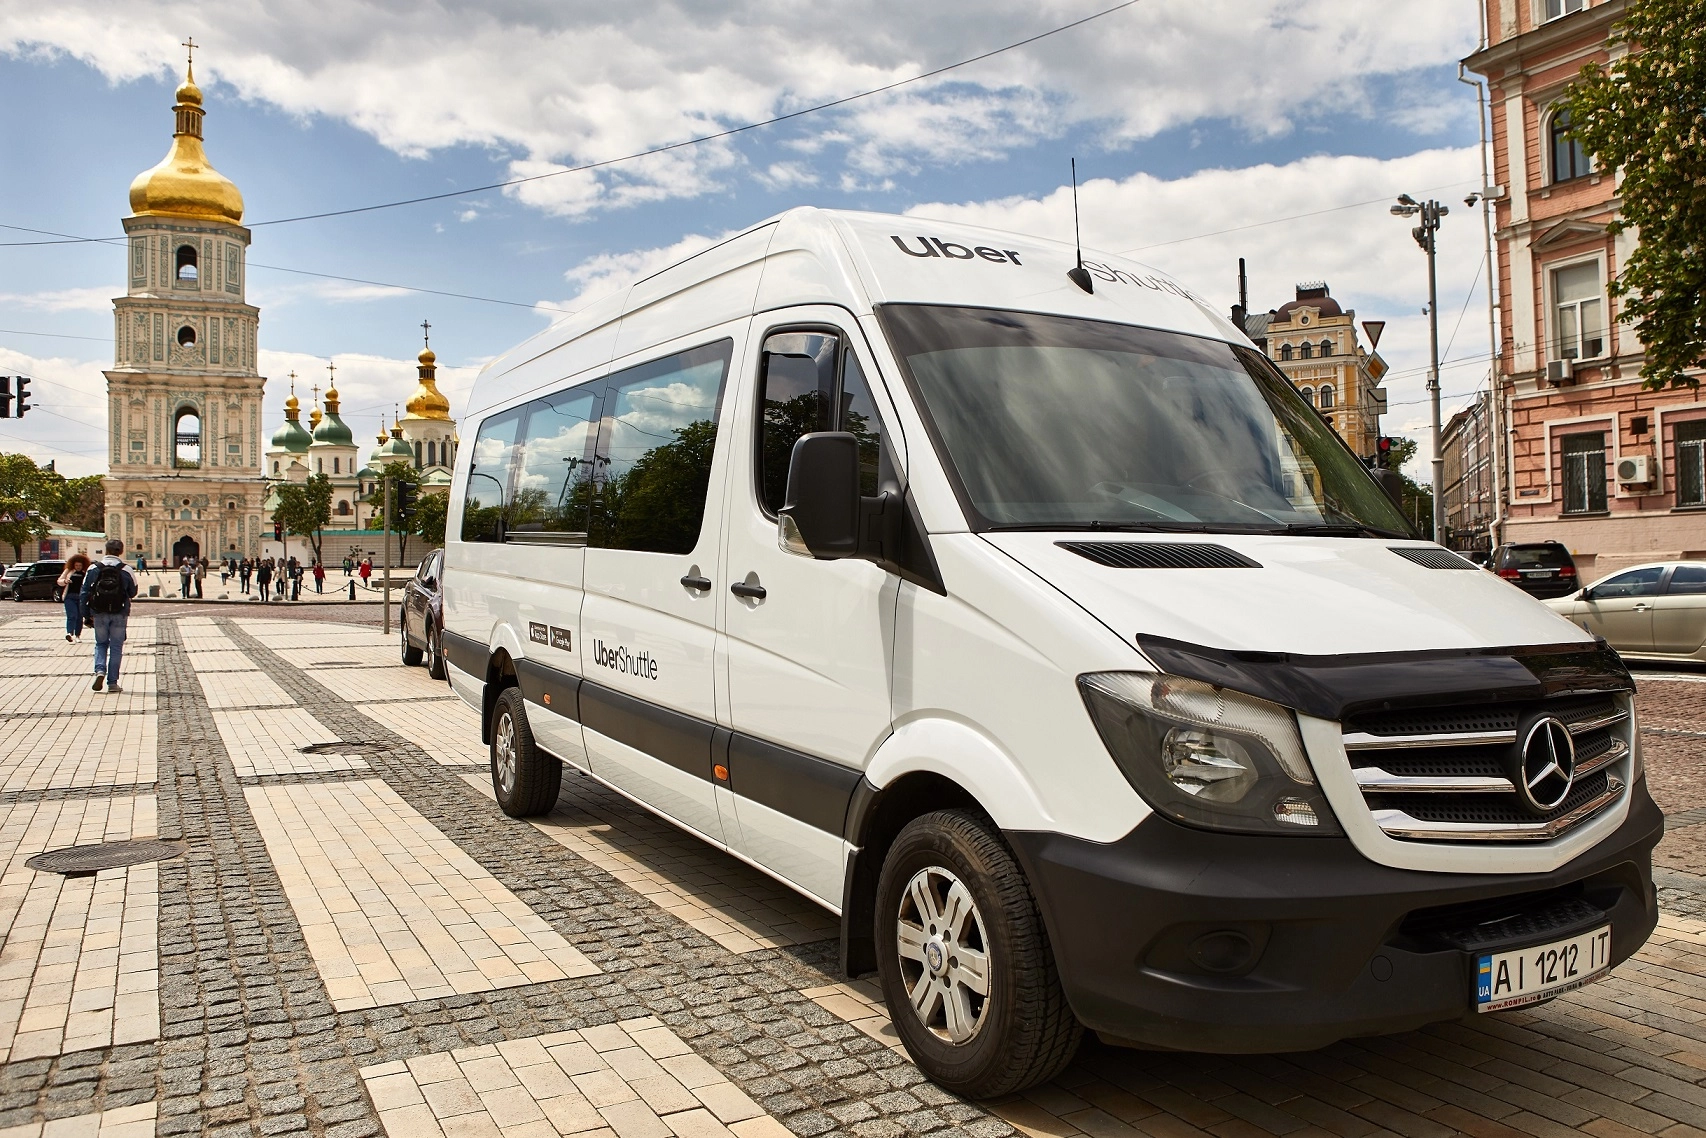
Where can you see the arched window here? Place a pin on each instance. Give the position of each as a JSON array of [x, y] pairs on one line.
[[1569, 160], [186, 336], [319, 465], [1326, 347], [1308, 395], [187, 269], [275, 467], [336, 462], [186, 437], [1285, 351], [343, 509], [1326, 395], [1307, 350], [139, 504], [432, 454]]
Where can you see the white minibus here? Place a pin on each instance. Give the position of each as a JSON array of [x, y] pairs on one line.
[[1036, 625]]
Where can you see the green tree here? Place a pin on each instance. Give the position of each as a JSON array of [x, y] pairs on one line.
[[305, 508], [80, 503], [1646, 115], [26, 502], [430, 513], [399, 472]]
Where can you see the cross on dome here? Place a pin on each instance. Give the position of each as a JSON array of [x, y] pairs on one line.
[[426, 337]]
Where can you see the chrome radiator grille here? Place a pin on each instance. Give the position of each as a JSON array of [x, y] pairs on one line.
[[1452, 774]]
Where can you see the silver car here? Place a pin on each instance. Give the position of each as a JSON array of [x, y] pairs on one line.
[[1649, 612]]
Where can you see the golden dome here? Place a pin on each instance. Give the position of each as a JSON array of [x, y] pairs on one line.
[[428, 402], [292, 406], [314, 418], [185, 184]]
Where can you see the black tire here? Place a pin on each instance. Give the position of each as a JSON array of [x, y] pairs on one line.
[[435, 654], [524, 778], [411, 654], [1022, 1032]]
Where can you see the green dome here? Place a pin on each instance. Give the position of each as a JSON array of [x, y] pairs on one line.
[[393, 449], [333, 432], [292, 436]]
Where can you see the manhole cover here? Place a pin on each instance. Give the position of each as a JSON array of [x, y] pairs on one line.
[[342, 747], [81, 861]]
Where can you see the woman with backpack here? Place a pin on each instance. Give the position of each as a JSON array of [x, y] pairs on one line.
[[71, 590]]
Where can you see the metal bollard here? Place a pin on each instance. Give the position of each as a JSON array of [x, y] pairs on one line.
[[352, 590]]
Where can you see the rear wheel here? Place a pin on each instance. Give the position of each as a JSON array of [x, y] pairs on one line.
[[411, 654], [435, 654], [525, 779], [965, 962]]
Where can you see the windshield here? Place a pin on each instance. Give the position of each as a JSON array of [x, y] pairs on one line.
[[1537, 557], [1058, 422]]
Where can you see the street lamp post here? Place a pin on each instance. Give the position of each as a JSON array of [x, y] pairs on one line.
[[1431, 212]]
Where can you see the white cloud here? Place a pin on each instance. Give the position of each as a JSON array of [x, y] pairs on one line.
[[97, 298], [67, 419], [555, 85]]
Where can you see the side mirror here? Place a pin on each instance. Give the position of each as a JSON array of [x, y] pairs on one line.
[[820, 512], [1587, 593]]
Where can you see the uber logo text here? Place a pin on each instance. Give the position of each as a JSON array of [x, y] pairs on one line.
[[619, 659], [936, 247]]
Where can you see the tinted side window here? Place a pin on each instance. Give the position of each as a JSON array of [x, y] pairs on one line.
[[1687, 579], [859, 418], [652, 464], [811, 382], [797, 394], [485, 512], [554, 477], [1635, 583]]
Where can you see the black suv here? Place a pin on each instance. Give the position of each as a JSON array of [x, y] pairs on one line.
[[38, 581], [1541, 569]]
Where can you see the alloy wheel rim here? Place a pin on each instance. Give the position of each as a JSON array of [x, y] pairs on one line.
[[944, 955], [504, 752]]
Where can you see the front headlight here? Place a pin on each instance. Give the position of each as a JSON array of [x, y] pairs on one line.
[[1207, 756]]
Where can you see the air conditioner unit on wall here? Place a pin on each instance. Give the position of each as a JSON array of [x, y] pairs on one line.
[[1560, 372], [1635, 470]]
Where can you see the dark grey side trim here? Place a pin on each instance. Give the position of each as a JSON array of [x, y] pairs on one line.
[[668, 736], [551, 689], [465, 653], [808, 789]]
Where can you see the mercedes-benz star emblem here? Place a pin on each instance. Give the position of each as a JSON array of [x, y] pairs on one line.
[[1548, 765]]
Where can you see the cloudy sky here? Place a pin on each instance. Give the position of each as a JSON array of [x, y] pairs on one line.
[[1204, 130]]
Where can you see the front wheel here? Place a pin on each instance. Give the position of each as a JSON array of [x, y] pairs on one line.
[[411, 654], [525, 779], [965, 962]]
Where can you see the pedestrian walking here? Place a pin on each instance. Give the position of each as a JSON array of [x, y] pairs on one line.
[[263, 579], [107, 589], [295, 579], [141, 564], [281, 579], [71, 592], [200, 575], [319, 577], [245, 570], [184, 572], [366, 571], [349, 565]]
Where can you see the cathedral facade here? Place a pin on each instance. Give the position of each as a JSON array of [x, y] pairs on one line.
[[184, 395]]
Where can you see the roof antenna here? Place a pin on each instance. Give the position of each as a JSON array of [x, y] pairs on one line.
[[1076, 274]]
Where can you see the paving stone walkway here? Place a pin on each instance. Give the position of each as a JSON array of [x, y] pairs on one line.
[[356, 941]]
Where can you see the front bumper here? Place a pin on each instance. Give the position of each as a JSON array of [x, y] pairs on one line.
[[1183, 939]]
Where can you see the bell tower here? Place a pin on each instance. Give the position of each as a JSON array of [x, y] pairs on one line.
[[184, 395]]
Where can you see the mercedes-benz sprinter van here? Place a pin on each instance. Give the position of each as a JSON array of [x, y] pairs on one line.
[[1039, 628]]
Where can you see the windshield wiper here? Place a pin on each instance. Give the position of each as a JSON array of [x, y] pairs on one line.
[[1339, 529]]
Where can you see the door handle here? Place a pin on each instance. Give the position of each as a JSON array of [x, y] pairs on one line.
[[697, 584], [753, 590]]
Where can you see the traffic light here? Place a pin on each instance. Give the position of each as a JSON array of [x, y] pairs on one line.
[[23, 396], [5, 397], [1383, 451], [405, 503], [277, 530]]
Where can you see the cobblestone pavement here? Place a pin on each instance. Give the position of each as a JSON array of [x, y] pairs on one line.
[[355, 941]]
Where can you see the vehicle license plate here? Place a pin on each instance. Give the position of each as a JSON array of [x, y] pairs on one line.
[[1539, 572], [1522, 976]]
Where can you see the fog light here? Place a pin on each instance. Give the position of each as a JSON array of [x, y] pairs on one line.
[[1226, 950], [1296, 811]]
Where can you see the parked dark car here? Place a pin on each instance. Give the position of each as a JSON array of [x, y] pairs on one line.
[[1541, 569], [421, 619], [31, 581]]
